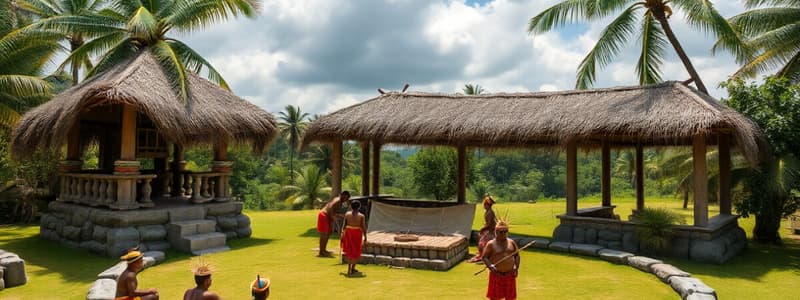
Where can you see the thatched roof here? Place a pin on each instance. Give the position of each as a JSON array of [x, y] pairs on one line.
[[664, 114], [214, 114]]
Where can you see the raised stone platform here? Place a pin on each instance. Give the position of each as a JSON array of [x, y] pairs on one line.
[[110, 233], [430, 252]]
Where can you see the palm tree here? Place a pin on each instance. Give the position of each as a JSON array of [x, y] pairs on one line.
[[22, 58], [293, 123], [310, 187], [470, 89], [654, 32], [127, 27], [322, 156], [87, 9], [774, 32]]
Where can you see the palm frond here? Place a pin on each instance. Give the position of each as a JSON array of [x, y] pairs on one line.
[[118, 53], [654, 45], [8, 116], [607, 47], [791, 69], [194, 62], [174, 69], [756, 3], [703, 15], [24, 86], [569, 11], [89, 25], [143, 25], [96, 47], [758, 21]]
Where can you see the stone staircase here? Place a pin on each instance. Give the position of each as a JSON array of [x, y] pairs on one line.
[[196, 236]]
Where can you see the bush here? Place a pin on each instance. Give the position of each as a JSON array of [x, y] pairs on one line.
[[655, 229]]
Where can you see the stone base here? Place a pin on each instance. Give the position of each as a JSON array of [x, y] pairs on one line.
[[110, 233], [429, 252]]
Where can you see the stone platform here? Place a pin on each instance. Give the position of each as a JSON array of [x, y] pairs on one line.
[[171, 223], [431, 252]]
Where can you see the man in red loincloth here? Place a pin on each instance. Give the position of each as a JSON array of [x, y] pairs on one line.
[[503, 275], [351, 239], [325, 219], [486, 233]]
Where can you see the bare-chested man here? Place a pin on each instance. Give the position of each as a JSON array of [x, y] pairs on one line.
[[351, 240], [503, 275], [486, 233], [325, 222], [127, 285], [202, 278]]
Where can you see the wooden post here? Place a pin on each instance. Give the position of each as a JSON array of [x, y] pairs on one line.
[[605, 176], [700, 182], [177, 170], [221, 150], [572, 178], [128, 131], [639, 177], [365, 168], [336, 166], [461, 189], [73, 142], [376, 168], [724, 174]]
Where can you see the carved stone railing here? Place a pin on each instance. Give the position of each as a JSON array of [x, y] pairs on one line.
[[113, 191], [202, 187]]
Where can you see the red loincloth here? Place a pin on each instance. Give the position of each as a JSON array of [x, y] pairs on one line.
[[352, 242], [502, 285], [323, 225]]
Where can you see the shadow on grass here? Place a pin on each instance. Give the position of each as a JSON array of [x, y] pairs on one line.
[[753, 263], [243, 243], [312, 232], [45, 257]]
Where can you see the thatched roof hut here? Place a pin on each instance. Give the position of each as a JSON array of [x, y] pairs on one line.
[[664, 114], [214, 115]]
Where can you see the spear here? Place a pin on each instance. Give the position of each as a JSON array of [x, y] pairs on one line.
[[507, 256]]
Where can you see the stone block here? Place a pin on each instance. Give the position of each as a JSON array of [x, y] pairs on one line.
[[541, 243], [148, 261], [679, 248], [686, 286], [584, 249], [666, 271], [700, 296], [227, 223], [367, 259], [242, 221], [226, 208], [149, 233], [2, 284], [114, 271], [49, 234], [403, 262], [642, 262], [245, 232], [94, 247], [439, 264], [591, 236], [79, 216], [87, 231], [420, 263], [14, 273], [614, 256], [578, 235], [614, 245], [187, 213], [559, 246], [383, 260], [630, 242], [229, 235], [609, 235], [158, 246], [157, 255], [708, 251], [102, 289], [99, 233], [119, 240], [562, 233]]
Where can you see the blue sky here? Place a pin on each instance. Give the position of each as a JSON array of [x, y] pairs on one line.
[[323, 55]]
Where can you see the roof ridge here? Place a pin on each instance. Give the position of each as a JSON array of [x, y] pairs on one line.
[[533, 94]]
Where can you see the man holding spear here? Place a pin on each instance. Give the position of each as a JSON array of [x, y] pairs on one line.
[[501, 257]]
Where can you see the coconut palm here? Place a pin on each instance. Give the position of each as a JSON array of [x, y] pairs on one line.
[[470, 89], [310, 190], [322, 156], [774, 32], [293, 123], [127, 27], [87, 9], [22, 58], [651, 19]]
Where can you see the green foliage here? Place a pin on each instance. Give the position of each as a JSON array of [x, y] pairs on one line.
[[310, 188], [480, 188], [434, 171], [293, 123], [654, 227], [773, 32]]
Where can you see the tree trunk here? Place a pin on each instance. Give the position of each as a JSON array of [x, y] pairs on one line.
[[685, 199], [766, 229], [662, 19], [75, 43], [291, 166]]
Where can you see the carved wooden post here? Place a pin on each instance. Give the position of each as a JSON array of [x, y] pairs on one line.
[[572, 178]]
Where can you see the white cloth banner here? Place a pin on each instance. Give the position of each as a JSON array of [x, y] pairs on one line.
[[451, 220]]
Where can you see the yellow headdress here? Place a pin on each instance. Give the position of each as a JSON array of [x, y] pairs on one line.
[[488, 200], [202, 267], [132, 255]]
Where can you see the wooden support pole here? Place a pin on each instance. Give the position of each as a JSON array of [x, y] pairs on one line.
[[336, 169], [128, 132], [221, 150], [605, 177], [724, 174], [74, 142], [365, 168], [376, 168], [461, 189], [639, 177], [176, 170], [700, 181], [572, 178]]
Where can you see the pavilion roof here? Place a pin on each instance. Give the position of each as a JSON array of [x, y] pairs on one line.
[[663, 114], [214, 113]]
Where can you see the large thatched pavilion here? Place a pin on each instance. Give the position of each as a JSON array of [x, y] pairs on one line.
[[668, 114], [132, 113]]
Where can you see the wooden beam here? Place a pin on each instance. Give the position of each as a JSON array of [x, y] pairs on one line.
[[128, 132], [461, 189], [572, 178], [336, 165], [376, 168], [639, 177], [365, 168], [724, 152], [605, 176], [700, 182]]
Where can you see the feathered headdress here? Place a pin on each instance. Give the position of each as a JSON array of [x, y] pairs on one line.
[[202, 267]]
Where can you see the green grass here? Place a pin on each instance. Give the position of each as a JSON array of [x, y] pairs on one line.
[[281, 249]]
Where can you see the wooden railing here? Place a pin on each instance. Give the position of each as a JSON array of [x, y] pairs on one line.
[[113, 191]]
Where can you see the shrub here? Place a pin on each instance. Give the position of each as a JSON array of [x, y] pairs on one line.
[[655, 228]]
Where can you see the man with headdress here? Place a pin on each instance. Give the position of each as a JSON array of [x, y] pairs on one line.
[[325, 219], [351, 242], [259, 288], [127, 285], [486, 232], [202, 278], [502, 259]]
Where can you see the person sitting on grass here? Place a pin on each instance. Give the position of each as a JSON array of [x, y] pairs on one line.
[[127, 284], [202, 278]]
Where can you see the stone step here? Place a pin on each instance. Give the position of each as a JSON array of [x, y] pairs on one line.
[[202, 241], [211, 250], [186, 228]]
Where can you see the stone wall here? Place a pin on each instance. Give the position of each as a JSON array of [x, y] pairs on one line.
[[718, 243], [111, 233]]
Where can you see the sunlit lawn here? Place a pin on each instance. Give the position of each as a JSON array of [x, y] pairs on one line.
[[281, 249]]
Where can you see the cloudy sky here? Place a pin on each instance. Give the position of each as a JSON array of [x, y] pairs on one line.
[[323, 55]]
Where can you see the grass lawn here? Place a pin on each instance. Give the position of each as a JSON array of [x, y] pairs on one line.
[[281, 249]]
